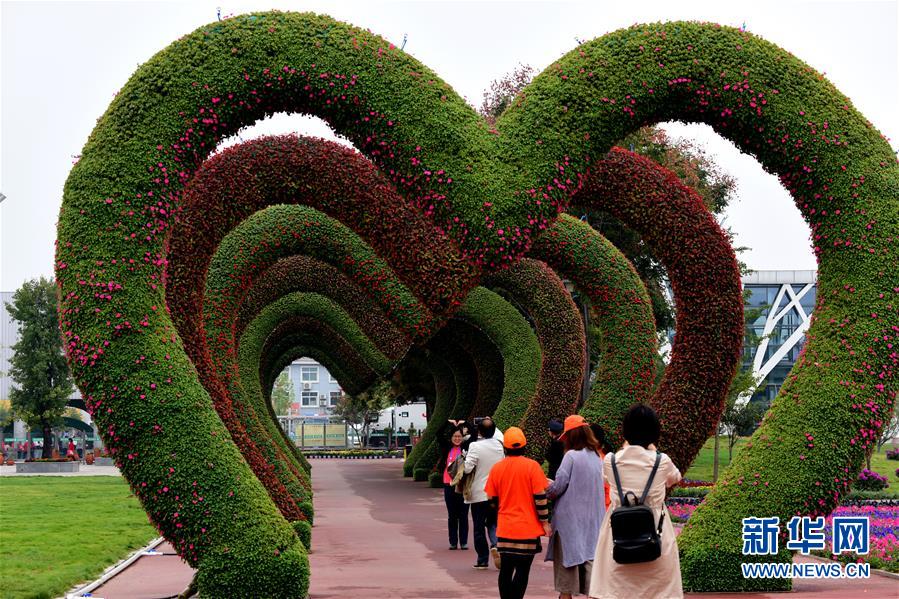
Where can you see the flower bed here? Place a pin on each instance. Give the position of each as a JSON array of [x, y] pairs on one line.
[[354, 454], [868, 480], [883, 516]]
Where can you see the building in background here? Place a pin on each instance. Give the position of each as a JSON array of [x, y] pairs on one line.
[[786, 299], [315, 391]]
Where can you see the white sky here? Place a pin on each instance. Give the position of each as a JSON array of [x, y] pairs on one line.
[[62, 62]]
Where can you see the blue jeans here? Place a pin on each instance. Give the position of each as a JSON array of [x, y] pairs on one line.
[[479, 513], [457, 516]]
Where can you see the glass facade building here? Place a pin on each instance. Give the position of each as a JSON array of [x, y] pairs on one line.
[[784, 301]]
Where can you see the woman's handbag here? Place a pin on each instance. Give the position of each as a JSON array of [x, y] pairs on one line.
[[464, 486], [456, 469]]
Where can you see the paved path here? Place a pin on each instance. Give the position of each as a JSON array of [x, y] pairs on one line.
[[378, 534]]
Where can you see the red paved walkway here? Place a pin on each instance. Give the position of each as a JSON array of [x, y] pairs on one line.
[[380, 535]]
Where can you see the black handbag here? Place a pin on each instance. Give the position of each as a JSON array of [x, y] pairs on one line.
[[635, 537]]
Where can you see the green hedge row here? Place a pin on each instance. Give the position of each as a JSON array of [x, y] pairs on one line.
[[621, 310], [304, 273], [843, 177], [256, 334], [705, 280], [518, 345], [450, 344], [539, 292], [445, 389]]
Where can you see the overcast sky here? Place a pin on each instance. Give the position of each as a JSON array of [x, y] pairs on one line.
[[62, 62]]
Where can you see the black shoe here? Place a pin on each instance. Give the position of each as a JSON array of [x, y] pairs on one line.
[[464, 547], [453, 548], [480, 566]]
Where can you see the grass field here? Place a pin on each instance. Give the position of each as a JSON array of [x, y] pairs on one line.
[[701, 469], [58, 531]]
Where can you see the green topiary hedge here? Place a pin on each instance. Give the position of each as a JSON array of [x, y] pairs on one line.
[[490, 190], [705, 279], [517, 344], [843, 178], [621, 311], [445, 390], [303, 273], [257, 332], [560, 330], [488, 363]]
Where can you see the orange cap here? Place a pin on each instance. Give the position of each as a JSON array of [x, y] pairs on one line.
[[572, 422], [513, 438]]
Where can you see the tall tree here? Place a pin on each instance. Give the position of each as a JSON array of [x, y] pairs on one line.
[[281, 396], [741, 417], [38, 365], [360, 411]]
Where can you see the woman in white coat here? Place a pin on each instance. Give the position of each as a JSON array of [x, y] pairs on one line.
[[659, 579]]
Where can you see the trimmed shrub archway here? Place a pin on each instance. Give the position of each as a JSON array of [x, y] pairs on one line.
[[491, 191]]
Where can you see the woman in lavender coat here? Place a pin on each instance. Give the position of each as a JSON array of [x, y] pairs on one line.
[[578, 509]]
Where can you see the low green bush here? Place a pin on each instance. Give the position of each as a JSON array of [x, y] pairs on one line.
[[304, 531]]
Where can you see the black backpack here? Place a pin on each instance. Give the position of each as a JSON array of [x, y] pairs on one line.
[[635, 537]]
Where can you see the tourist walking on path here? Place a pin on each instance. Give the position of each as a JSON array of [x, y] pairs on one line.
[[578, 510], [451, 440], [661, 577], [482, 455], [516, 487], [604, 448], [556, 449]]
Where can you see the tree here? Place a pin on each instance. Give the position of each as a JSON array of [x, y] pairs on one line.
[[503, 90], [38, 365], [361, 410], [5, 413], [740, 417], [281, 396]]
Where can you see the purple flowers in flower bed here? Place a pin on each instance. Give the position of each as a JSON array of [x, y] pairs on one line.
[[893, 454], [868, 480]]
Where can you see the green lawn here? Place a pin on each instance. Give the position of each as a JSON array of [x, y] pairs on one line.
[[57, 531], [701, 469]]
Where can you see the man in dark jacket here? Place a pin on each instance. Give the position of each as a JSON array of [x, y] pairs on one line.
[[556, 450]]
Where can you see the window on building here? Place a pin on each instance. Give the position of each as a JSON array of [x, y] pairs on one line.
[[404, 414], [309, 398], [309, 374], [335, 398]]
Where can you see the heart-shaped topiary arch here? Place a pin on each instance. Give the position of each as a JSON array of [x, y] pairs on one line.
[[492, 190]]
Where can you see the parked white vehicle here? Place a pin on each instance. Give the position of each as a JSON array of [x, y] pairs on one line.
[[402, 417]]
